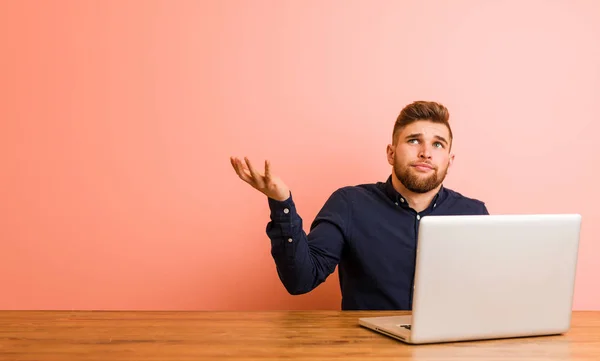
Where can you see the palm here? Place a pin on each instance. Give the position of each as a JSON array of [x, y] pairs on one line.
[[267, 183]]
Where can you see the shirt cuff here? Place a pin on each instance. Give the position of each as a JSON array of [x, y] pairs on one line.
[[282, 211]]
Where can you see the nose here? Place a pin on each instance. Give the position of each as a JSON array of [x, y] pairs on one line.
[[425, 152]]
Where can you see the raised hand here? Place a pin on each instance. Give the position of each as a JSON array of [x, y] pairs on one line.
[[268, 184]]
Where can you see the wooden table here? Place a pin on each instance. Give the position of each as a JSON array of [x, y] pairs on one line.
[[297, 335]]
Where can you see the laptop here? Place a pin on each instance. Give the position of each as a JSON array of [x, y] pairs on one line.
[[489, 277]]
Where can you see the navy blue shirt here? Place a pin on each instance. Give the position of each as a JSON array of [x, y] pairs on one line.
[[369, 231]]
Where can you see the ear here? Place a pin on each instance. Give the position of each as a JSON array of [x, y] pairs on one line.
[[390, 154], [450, 161]]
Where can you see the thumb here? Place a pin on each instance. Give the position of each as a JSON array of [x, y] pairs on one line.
[[267, 170]]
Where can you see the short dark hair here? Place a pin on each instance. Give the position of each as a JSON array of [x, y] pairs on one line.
[[421, 110]]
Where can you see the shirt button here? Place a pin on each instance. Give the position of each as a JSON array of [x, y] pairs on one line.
[[290, 240], [396, 203], [402, 200], [286, 211], [418, 217]]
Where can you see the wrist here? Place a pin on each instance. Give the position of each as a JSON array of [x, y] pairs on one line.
[[281, 197]]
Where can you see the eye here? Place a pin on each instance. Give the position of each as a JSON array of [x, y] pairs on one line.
[[438, 144], [413, 141]]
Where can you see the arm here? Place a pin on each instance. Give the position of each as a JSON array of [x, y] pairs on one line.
[[303, 260]]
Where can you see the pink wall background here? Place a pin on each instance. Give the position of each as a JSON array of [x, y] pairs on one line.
[[118, 119]]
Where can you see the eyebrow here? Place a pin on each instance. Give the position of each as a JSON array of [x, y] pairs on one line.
[[419, 135]]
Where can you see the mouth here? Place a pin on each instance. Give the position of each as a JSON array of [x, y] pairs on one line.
[[423, 167]]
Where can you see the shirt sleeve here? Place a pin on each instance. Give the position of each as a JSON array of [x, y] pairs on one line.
[[484, 210], [304, 260]]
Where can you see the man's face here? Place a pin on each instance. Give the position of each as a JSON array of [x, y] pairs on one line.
[[421, 156]]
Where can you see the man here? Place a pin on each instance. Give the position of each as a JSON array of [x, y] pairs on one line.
[[368, 230]]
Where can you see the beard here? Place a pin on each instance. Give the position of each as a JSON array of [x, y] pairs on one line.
[[417, 182]]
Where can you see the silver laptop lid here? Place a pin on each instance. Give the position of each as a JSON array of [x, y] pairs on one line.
[[494, 276]]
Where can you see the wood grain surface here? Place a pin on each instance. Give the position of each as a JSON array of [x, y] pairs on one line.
[[277, 335]]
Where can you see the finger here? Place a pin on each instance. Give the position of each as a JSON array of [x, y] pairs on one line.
[[244, 170], [253, 171], [267, 170], [237, 163], [241, 172]]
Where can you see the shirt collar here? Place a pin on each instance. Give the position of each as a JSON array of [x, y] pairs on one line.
[[399, 199]]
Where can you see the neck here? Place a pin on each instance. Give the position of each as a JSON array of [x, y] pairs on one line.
[[417, 201]]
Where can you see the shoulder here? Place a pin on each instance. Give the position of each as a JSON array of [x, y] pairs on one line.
[[358, 190], [457, 198], [357, 194], [452, 194]]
